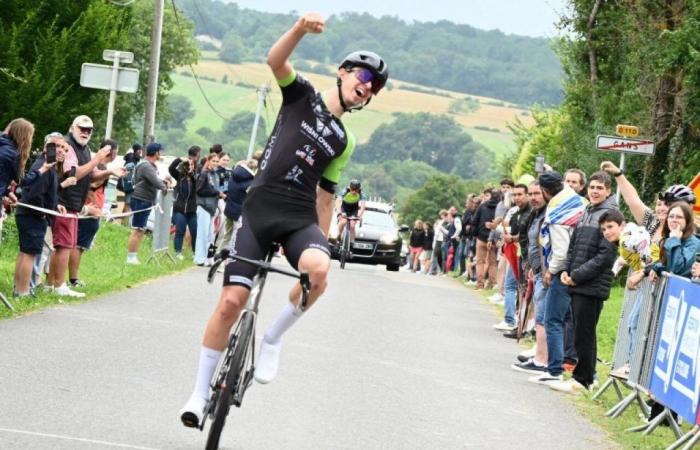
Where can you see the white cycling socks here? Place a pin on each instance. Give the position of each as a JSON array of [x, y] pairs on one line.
[[208, 360], [287, 317]]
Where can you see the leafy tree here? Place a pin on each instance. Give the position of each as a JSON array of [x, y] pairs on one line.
[[179, 110], [439, 192]]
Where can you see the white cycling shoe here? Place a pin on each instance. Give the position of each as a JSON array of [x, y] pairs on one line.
[[193, 412], [268, 362]]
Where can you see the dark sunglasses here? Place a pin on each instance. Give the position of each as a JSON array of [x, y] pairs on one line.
[[85, 129], [367, 76]]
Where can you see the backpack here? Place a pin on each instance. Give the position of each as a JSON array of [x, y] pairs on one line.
[[126, 184]]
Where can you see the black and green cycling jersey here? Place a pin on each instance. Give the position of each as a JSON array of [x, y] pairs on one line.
[[308, 147], [351, 201]]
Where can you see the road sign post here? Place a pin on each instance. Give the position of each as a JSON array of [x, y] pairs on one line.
[[623, 143], [111, 78]]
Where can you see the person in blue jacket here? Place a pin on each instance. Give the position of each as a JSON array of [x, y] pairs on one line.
[[240, 180], [679, 244]]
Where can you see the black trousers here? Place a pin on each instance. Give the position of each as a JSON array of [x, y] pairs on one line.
[[586, 311]]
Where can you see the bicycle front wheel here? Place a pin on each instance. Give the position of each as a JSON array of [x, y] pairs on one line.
[[232, 381]]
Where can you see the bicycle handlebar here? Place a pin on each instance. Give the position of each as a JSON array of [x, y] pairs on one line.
[[265, 266]]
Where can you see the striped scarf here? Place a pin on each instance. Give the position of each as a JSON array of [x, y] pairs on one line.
[[565, 208]]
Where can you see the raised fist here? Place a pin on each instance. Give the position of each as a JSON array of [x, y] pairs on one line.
[[311, 23]]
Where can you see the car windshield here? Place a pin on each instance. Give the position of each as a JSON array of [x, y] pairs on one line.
[[378, 219]]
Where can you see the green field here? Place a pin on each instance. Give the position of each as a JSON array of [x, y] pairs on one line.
[[231, 98]]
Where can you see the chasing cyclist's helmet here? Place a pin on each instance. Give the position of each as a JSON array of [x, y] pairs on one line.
[[366, 60], [678, 193], [355, 184]]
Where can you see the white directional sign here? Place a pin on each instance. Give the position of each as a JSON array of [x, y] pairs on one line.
[[625, 145], [124, 57], [98, 76]]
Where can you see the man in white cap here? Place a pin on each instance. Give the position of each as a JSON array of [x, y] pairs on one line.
[[66, 229]]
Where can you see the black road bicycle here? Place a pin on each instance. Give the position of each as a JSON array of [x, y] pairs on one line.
[[344, 250], [234, 373]]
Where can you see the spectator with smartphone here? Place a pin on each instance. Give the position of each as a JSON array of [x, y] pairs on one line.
[[15, 145], [83, 167], [39, 188], [87, 228], [185, 205]]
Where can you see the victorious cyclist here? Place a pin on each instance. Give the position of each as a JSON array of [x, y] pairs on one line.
[[351, 203], [291, 198]]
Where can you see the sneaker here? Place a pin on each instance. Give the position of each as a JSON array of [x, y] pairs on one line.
[[545, 378], [570, 386], [512, 334], [64, 291], [504, 326], [529, 366], [133, 261], [48, 288], [193, 412], [78, 283], [527, 354], [268, 361], [179, 256], [496, 298]]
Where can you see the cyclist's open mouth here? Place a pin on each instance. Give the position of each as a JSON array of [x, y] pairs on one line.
[[360, 92]]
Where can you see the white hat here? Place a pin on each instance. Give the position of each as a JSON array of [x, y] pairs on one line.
[[82, 121]]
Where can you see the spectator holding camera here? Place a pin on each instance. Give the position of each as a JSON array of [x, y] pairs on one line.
[[185, 206], [146, 187], [15, 145], [40, 189], [207, 203]]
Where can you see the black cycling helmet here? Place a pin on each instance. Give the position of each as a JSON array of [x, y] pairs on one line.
[[370, 61], [678, 193], [355, 184]]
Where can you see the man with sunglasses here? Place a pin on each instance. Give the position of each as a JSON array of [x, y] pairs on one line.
[[66, 230], [291, 198], [351, 203]]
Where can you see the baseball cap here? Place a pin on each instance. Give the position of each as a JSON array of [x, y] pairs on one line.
[[82, 121], [551, 180], [153, 148]]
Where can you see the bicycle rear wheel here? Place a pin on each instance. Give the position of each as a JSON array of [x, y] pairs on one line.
[[232, 380]]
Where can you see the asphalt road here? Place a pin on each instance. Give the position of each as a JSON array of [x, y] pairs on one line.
[[385, 360]]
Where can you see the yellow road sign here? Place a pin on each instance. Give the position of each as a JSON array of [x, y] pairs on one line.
[[626, 130]]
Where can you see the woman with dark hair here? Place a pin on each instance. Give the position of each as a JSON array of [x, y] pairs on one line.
[[40, 189], [679, 244], [185, 206], [15, 145], [207, 204]]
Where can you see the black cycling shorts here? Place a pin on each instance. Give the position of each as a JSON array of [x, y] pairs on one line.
[[350, 211], [253, 241]]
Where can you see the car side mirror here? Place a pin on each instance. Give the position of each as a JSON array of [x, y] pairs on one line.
[[403, 228]]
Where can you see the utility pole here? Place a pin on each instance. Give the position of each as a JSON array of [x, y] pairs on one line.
[[262, 94], [152, 92]]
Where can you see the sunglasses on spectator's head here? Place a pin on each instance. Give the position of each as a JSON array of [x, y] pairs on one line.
[[367, 76]]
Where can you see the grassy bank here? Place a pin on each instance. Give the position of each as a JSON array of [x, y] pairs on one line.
[[595, 410], [103, 268]]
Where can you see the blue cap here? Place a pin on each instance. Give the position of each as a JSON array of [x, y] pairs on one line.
[[153, 148]]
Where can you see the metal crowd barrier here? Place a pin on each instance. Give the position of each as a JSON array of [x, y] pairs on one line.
[[162, 219], [4, 299]]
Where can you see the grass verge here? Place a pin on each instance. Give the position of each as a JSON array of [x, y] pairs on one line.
[[594, 410], [103, 268]]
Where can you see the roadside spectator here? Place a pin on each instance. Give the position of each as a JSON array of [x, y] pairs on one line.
[[564, 209], [87, 228], [126, 183], [223, 171], [465, 235], [695, 272], [185, 205], [510, 251], [576, 179], [483, 224], [427, 253], [502, 209], [536, 363], [146, 187], [207, 204], [588, 274], [241, 179], [454, 233], [15, 145], [679, 243], [80, 164], [436, 263], [416, 242], [39, 188]]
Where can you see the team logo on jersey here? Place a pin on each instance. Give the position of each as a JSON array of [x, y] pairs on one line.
[[338, 131], [294, 174], [322, 128], [308, 154], [310, 132]]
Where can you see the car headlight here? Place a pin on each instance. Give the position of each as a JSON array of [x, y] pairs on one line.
[[389, 239]]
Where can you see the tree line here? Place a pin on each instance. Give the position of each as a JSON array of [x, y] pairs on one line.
[[442, 54]]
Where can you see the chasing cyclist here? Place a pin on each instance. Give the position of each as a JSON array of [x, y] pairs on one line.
[[351, 203], [291, 198]]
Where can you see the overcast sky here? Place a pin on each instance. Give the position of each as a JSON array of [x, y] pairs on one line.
[[522, 17]]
